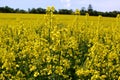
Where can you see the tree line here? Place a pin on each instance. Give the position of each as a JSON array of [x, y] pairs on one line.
[[40, 10]]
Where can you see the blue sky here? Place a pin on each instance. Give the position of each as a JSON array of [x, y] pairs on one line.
[[99, 5]]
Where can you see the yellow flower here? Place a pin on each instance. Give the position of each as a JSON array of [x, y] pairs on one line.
[[77, 12], [48, 59], [66, 63], [49, 72], [79, 72], [103, 76], [33, 68], [119, 78], [59, 70], [65, 76], [36, 74], [17, 65]]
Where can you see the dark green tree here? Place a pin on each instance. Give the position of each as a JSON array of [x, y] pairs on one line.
[[90, 9]]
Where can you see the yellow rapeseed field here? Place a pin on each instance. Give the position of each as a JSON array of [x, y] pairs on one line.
[[59, 47]]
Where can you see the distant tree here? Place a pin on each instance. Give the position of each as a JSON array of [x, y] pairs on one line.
[[37, 10], [95, 13], [82, 11], [29, 10], [8, 9], [90, 9], [17, 10], [55, 12], [33, 10], [40, 10], [65, 11], [22, 11], [2, 9]]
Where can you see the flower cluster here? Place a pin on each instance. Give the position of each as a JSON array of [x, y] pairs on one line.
[[48, 50]]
